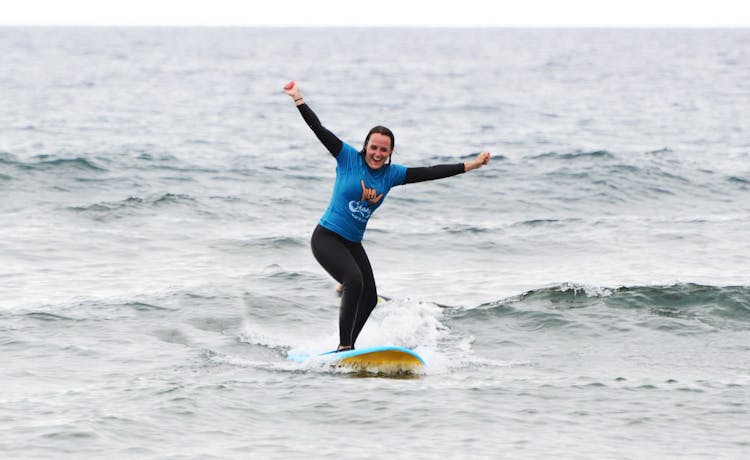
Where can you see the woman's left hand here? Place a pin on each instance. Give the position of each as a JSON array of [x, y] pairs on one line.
[[481, 160]]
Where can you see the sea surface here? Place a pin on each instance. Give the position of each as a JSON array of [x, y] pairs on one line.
[[586, 295]]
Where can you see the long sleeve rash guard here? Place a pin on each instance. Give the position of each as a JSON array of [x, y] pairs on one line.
[[349, 210]]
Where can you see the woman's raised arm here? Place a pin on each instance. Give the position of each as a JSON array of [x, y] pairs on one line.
[[326, 137]]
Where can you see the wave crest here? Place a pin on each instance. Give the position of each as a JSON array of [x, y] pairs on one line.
[[690, 305]]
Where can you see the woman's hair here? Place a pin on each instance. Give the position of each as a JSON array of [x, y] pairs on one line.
[[384, 131]]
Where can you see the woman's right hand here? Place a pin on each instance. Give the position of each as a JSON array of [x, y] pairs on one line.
[[292, 89]]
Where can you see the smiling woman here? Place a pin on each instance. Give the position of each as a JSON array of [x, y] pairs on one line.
[[379, 145], [363, 179]]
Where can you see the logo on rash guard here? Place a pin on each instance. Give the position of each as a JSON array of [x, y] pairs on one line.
[[360, 211]]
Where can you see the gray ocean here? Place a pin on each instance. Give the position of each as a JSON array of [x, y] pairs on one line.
[[584, 296]]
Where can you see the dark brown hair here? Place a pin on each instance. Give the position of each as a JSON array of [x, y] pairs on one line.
[[385, 132]]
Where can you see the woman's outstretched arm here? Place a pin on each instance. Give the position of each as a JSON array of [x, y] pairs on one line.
[[329, 140], [442, 171]]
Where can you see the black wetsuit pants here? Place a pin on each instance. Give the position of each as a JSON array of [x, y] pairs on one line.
[[348, 264]]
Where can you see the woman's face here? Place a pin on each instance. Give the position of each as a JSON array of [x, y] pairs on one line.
[[378, 150]]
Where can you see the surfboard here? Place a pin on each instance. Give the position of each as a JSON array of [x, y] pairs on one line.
[[383, 359]]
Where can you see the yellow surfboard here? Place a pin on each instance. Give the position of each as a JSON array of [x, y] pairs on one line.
[[381, 360]]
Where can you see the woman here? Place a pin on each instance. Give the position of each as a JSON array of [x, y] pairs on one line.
[[363, 180]]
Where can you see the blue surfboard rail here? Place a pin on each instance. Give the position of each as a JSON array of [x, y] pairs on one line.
[[363, 351], [340, 355]]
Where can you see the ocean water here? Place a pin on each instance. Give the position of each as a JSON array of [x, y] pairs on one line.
[[586, 295]]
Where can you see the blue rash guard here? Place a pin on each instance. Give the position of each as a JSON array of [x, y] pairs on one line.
[[348, 213]]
